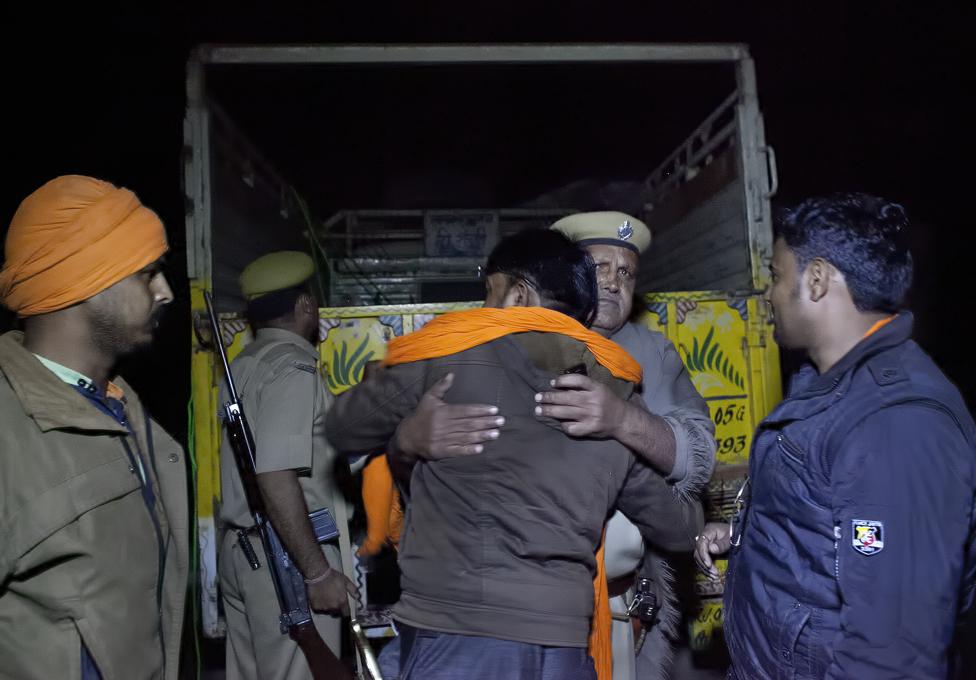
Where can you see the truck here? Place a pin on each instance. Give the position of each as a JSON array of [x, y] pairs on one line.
[[309, 147]]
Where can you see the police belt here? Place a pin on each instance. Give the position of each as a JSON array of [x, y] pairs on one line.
[[620, 585]]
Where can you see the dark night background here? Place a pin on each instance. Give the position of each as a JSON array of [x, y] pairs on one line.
[[863, 96]]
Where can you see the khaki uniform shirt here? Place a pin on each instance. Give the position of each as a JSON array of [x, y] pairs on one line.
[[285, 401]]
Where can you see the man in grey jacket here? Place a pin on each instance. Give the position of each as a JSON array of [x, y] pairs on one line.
[[94, 552], [498, 553]]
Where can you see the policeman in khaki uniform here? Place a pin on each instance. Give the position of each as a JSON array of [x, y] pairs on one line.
[[285, 401]]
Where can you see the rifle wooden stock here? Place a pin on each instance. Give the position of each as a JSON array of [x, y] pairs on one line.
[[321, 661]]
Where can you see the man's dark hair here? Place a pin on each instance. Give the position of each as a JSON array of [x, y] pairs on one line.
[[560, 271], [273, 307], [863, 236]]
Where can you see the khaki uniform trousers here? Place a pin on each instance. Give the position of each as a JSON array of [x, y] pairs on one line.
[[256, 647]]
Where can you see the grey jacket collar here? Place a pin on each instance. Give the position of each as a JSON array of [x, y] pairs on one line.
[[52, 403]]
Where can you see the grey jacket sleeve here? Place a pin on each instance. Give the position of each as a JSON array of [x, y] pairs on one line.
[[669, 393], [666, 520], [366, 416]]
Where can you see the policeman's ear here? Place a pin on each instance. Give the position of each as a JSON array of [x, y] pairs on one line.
[[818, 277], [305, 304]]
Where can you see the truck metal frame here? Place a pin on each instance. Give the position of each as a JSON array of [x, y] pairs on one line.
[[738, 373]]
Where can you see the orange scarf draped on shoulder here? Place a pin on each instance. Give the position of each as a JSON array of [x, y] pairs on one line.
[[459, 331]]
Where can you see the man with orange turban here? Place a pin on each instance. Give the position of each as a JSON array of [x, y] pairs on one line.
[[93, 500]]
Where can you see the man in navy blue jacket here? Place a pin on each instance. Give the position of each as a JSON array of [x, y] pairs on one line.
[[854, 555]]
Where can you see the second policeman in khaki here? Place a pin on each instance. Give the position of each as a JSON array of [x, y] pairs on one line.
[[285, 400]]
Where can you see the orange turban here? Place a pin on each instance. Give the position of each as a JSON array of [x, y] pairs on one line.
[[73, 238]]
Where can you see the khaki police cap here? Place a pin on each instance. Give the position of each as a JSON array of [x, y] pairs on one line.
[[606, 228], [276, 271]]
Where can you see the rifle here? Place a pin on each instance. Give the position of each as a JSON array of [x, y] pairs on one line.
[[289, 584]]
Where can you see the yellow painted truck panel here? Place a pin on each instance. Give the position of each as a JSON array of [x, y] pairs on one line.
[[725, 343]]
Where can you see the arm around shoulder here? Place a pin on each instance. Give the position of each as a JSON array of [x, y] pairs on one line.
[[366, 416]]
